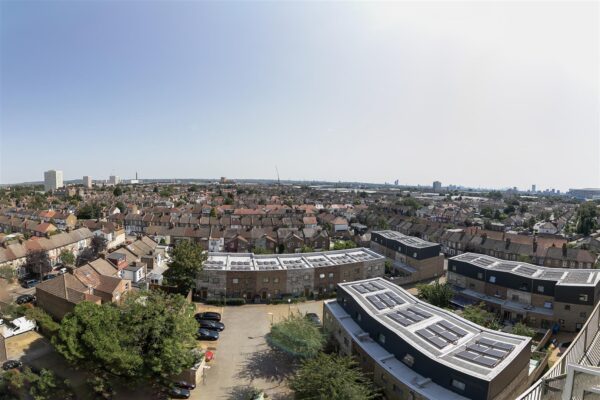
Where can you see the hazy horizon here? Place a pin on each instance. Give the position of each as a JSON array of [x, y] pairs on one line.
[[478, 94]]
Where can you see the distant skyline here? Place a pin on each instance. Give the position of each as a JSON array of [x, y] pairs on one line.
[[480, 94]]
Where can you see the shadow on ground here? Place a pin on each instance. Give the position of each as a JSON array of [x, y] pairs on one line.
[[269, 365], [247, 392]]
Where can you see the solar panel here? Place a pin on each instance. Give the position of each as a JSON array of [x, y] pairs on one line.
[[466, 355], [485, 361], [411, 315], [449, 336], [360, 289], [432, 338], [400, 319], [375, 301], [453, 328], [417, 311], [526, 270], [503, 346]]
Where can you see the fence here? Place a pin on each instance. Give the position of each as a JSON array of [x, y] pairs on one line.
[[584, 350]]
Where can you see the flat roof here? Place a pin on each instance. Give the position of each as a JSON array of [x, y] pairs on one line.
[[442, 335], [562, 276], [267, 262], [405, 239]]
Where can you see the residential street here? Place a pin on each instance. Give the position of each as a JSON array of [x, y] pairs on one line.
[[242, 357]]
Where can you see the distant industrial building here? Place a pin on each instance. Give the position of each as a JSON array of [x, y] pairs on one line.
[[414, 350], [114, 180], [437, 186], [87, 182], [585, 194], [53, 180], [413, 258]]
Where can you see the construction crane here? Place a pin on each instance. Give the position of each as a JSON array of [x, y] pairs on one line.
[[278, 181]]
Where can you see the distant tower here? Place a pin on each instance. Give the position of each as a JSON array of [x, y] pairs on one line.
[[437, 186], [136, 178], [53, 180], [533, 188], [114, 180], [87, 182]]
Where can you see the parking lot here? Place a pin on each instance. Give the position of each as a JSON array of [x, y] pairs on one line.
[[242, 357]]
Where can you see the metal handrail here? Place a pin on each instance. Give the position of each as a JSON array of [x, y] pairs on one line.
[[574, 354]]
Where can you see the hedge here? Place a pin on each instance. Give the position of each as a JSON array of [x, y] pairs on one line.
[[233, 301]]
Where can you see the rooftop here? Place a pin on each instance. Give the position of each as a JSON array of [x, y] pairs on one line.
[[264, 262], [406, 240], [440, 334], [562, 276]]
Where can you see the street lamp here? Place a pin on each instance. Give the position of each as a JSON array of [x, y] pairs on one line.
[[289, 307]]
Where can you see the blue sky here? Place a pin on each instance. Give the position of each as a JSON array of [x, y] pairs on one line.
[[493, 94]]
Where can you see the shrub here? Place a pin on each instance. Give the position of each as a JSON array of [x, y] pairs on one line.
[[47, 325], [297, 336], [233, 301]]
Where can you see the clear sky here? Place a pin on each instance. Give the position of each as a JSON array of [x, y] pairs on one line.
[[480, 94]]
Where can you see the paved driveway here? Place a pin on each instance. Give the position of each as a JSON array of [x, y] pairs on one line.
[[242, 357]]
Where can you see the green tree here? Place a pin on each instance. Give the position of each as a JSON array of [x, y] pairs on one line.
[[37, 263], [344, 244], [296, 335], [185, 265], [523, 330], [150, 336], [586, 218], [306, 249], [213, 212], [478, 314], [437, 294], [117, 191], [121, 206], [331, 377], [67, 258]]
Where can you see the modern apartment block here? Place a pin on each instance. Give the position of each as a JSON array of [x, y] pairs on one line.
[[517, 291], [266, 276], [414, 350], [114, 180], [53, 180], [415, 258], [87, 182]]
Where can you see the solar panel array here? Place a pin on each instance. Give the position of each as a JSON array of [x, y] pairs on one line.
[[486, 352], [385, 300], [441, 334], [408, 316], [526, 270], [367, 287], [505, 266], [577, 277], [483, 262]]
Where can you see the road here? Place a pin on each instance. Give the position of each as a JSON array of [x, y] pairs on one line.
[[243, 359]]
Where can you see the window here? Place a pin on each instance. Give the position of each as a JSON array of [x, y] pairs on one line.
[[331, 274], [567, 307], [306, 277], [583, 297], [414, 255], [480, 275], [358, 317], [265, 280], [540, 289], [515, 297], [215, 280], [275, 280], [408, 360], [454, 268], [548, 304], [369, 268], [583, 315], [458, 384], [235, 280], [381, 338], [492, 279], [322, 276]]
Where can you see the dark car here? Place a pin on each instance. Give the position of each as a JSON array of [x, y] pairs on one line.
[[25, 298], [11, 364], [207, 334], [49, 276], [208, 315], [212, 325], [185, 385], [314, 318], [29, 283], [179, 393]]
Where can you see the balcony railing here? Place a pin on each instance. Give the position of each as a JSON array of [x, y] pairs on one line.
[[584, 350]]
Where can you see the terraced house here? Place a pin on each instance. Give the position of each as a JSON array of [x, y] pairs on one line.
[[263, 277], [414, 258], [414, 350], [518, 291]]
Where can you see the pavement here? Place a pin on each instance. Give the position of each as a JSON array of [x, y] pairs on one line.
[[243, 360]]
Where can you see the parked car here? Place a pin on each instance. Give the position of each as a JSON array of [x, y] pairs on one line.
[[11, 364], [178, 393], [314, 318], [212, 325], [208, 315], [185, 385], [29, 283], [207, 334], [49, 276], [25, 298]]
